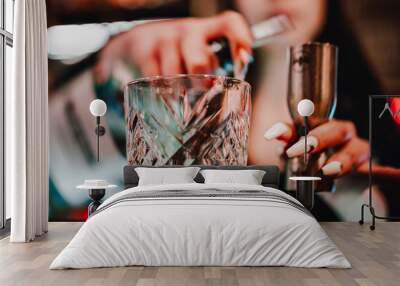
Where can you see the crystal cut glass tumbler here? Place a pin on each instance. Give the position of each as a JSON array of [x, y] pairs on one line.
[[186, 120]]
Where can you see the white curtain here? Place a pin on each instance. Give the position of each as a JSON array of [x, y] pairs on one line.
[[26, 124]]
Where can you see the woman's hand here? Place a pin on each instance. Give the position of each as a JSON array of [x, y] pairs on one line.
[[176, 46], [351, 152]]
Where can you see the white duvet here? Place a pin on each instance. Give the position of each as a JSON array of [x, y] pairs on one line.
[[200, 231]]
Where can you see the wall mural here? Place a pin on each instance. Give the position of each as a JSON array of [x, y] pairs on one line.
[[181, 120], [186, 120], [77, 33], [72, 127]]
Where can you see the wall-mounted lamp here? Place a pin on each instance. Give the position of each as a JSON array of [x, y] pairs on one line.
[[305, 109], [305, 185], [98, 108]]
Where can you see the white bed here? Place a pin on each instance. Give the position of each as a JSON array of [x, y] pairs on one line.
[[224, 225]]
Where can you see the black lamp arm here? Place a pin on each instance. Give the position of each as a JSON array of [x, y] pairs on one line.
[[100, 131], [305, 140]]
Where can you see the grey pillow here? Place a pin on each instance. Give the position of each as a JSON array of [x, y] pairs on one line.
[[248, 177], [164, 176]]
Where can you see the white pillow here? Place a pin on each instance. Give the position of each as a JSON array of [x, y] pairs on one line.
[[163, 176], [248, 177]]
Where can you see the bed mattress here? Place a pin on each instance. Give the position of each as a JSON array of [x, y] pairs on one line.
[[201, 225]]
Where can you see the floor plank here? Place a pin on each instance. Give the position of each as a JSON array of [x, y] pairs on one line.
[[375, 257]]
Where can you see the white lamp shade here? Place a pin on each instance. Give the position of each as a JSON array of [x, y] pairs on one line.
[[98, 107], [305, 107]]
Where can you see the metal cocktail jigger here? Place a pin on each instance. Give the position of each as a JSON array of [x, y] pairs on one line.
[[313, 76]]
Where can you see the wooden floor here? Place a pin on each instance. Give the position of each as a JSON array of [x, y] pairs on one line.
[[375, 257]]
